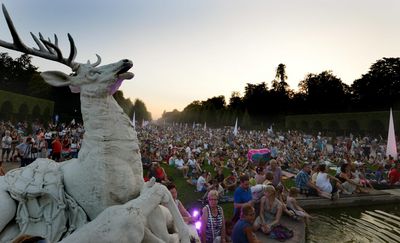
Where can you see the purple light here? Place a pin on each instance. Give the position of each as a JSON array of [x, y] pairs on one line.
[[195, 213], [198, 225]]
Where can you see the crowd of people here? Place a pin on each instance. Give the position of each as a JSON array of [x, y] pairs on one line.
[[24, 142], [260, 197], [359, 162]]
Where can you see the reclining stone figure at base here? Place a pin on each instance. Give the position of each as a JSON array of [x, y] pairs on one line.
[[108, 171]]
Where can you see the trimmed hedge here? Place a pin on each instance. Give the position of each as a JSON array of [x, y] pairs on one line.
[[376, 122], [13, 105]]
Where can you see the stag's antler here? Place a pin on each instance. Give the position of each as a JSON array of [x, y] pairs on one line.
[[47, 49]]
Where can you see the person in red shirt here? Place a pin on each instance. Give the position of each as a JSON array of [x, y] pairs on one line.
[[56, 149], [394, 175]]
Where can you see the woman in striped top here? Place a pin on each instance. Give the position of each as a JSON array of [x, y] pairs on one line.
[[212, 221]]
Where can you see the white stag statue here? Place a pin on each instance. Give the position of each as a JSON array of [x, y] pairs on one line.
[[104, 184]]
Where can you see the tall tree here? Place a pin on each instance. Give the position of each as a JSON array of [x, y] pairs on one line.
[[280, 91], [257, 100], [380, 87], [279, 84], [324, 93], [236, 105], [141, 111]]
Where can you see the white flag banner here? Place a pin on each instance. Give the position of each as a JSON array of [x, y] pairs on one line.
[[134, 120], [391, 148], [235, 130], [205, 126]]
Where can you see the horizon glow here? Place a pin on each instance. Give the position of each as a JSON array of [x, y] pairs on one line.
[[195, 50]]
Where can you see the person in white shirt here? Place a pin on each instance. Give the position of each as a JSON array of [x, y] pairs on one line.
[[180, 165], [172, 160], [194, 167], [202, 184]]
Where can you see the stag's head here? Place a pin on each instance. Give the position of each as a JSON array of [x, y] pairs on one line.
[[90, 79]]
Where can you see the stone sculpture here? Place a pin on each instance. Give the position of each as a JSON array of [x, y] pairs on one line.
[[106, 182]]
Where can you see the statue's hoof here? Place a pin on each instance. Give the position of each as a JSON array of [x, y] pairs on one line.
[[151, 182]]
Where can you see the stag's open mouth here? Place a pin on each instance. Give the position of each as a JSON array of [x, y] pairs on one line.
[[121, 75]]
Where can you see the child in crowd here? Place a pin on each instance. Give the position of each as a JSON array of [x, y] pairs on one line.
[[292, 205], [360, 173]]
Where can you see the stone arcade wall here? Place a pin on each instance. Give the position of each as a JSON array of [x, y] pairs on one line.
[[13, 105], [344, 123]]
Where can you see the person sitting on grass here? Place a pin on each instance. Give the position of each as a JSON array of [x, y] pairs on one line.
[[194, 167], [201, 183], [180, 165], [260, 176], [230, 182], [158, 173]]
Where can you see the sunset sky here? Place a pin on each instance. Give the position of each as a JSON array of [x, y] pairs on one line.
[[195, 49]]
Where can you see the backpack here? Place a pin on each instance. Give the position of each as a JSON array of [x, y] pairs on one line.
[[281, 233]]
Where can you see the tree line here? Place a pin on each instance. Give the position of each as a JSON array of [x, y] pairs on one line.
[[20, 76], [261, 105]]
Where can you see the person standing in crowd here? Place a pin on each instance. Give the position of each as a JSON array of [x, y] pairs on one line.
[[24, 150], [56, 148], [74, 148], [15, 140], [243, 230], [213, 221], [42, 147], [6, 147]]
